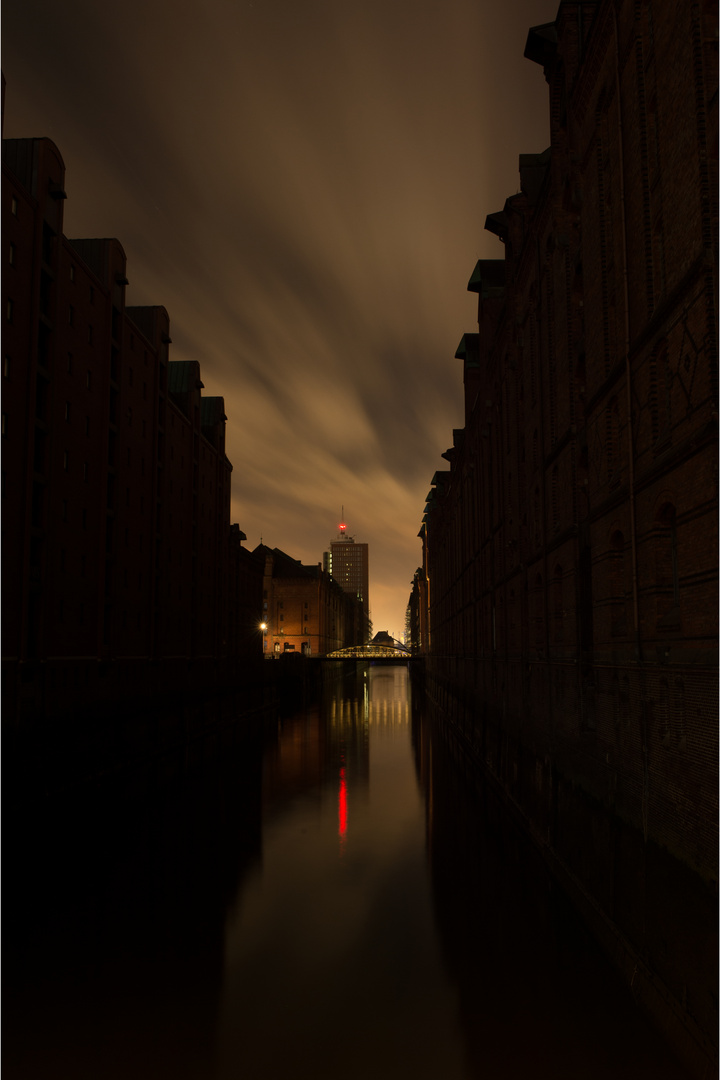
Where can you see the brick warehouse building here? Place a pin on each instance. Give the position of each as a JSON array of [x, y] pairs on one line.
[[570, 548], [305, 611], [120, 570]]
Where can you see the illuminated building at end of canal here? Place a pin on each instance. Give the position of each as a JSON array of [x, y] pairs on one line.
[[305, 610]]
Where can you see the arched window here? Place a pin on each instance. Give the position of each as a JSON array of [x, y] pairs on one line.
[[538, 613], [612, 441], [679, 706], [663, 713], [557, 603], [659, 396], [667, 577], [616, 585], [533, 357]]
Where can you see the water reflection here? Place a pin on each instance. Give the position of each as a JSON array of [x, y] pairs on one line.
[[338, 900], [435, 945], [331, 959], [114, 903], [536, 996]]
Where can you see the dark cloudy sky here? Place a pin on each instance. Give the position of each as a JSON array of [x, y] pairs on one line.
[[303, 184]]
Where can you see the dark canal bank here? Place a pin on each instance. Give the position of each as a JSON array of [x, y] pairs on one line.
[[326, 896]]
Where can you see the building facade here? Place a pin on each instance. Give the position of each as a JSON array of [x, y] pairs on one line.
[[305, 612], [116, 539], [570, 546], [348, 563]]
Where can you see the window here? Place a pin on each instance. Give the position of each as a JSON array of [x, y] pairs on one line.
[[67, 412], [90, 335], [557, 600], [71, 315], [12, 254], [72, 272], [85, 471], [667, 579], [14, 206], [6, 367], [65, 460], [9, 311], [4, 424]]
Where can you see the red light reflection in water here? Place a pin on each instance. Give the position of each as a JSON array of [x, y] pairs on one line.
[[342, 810]]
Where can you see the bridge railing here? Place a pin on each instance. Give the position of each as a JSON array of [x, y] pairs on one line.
[[369, 652]]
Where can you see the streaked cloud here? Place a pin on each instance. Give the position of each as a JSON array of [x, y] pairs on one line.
[[303, 186]]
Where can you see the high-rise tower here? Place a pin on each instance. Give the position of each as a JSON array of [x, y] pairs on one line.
[[347, 562]]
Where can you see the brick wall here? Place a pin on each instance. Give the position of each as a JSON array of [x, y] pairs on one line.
[[116, 487], [571, 548]]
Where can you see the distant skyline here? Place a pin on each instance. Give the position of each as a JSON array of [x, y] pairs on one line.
[[304, 188]]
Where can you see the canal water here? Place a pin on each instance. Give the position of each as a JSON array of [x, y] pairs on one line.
[[334, 899]]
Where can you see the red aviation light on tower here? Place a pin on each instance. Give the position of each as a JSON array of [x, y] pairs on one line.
[[342, 526]]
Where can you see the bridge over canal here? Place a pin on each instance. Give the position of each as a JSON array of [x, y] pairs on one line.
[[393, 653]]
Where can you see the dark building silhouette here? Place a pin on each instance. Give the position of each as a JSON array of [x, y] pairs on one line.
[[120, 570], [569, 575], [416, 615]]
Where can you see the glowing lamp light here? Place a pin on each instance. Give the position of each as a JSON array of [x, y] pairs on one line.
[[263, 626], [342, 526]]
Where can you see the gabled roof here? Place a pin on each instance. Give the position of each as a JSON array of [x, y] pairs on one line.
[[183, 376], [488, 278], [469, 350], [533, 170], [541, 45], [497, 224]]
